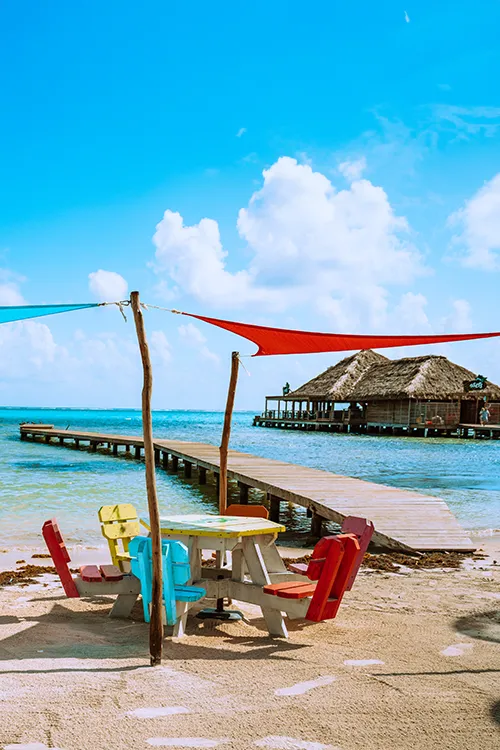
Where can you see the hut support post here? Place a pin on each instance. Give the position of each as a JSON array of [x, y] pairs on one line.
[[226, 432], [156, 624]]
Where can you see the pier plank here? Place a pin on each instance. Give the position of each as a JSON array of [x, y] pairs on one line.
[[403, 519]]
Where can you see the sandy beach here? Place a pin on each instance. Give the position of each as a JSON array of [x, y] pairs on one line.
[[412, 660]]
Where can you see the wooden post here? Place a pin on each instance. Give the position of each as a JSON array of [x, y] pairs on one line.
[[156, 624], [226, 432], [243, 493], [274, 508], [202, 475]]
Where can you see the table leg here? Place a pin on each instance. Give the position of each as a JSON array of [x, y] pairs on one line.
[[195, 565], [272, 558], [123, 605], [260, 576]]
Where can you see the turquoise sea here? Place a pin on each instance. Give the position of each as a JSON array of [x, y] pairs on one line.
[[39, 481]]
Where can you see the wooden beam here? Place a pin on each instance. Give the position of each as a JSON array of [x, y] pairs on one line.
[[226, 432], [274, 508], [156, 624]]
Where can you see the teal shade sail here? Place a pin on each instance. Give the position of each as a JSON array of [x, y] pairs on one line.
[[21, 312]]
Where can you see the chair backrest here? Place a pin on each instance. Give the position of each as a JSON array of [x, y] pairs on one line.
[[334, 563], [60, 556], [119, 524], [176, 571], [341, 554], [363, 531], [247, 511]]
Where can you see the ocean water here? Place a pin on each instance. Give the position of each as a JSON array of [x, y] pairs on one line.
[[38, 481]]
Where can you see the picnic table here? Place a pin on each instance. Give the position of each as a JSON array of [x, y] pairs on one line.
[[255, 562]]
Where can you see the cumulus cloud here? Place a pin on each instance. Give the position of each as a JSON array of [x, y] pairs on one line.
[[195, 261], [11, 295], [194, 337], [108, 286], [308, 243], [478, 227]]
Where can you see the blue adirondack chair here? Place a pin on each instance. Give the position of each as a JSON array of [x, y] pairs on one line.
[[176, 574]]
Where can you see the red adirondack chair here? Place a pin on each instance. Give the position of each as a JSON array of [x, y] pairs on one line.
[[334, 564], [92, 580]]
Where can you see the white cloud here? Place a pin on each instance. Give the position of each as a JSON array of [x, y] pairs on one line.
[[194, 337], [459, 320], [195, 260], [160, 348], [478, 223], [241, 132], [464, 122], [410, 315], [108, 286], [308, 243], [10, 295], [407, 17], [352, 170], [27, 347]]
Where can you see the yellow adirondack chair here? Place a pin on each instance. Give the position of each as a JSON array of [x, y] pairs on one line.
[[119, 524]]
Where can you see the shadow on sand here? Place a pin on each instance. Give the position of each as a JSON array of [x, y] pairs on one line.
[[66, 634], [485, 626]]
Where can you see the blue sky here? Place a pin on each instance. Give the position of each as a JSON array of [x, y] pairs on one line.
[[342, 159]]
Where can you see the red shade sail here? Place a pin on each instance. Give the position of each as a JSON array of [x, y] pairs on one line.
[[284, 341]]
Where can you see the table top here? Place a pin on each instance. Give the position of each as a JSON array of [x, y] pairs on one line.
[[226, 527]]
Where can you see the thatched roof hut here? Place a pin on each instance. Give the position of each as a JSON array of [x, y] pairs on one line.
[[337, 382], [427, 377]]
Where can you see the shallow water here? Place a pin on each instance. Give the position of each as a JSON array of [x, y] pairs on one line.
[[39, 481]]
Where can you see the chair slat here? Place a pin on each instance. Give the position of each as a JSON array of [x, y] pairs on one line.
[[90, 573]]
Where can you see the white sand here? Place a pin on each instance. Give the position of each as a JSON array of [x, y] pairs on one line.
[[412, 661]]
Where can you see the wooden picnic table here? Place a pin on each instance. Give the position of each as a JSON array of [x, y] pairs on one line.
[[256, 561]]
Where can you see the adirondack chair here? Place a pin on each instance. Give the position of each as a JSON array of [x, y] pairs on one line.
[[92, 580], [176, 573], [247, 511], [334, 564], [119, 524]]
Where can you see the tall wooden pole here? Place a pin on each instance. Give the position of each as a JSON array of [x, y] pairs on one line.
[[226, 432], [156, 624]]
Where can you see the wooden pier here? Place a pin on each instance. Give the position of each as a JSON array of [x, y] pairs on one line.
[[404, 520]]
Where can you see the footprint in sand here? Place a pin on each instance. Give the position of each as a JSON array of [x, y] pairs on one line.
[[303, 687], [290, 743], [362, 662], [152, 713], [459, 649], [184, 742]]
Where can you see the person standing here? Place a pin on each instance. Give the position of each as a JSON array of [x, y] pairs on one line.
[[484, 414]]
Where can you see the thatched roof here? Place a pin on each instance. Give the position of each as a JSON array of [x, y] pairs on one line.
[[337, 383], [427, 377]]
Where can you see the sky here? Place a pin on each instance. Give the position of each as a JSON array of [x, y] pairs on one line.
[[327, 166]]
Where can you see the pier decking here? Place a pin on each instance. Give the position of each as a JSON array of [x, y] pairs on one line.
[[403, 519]]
